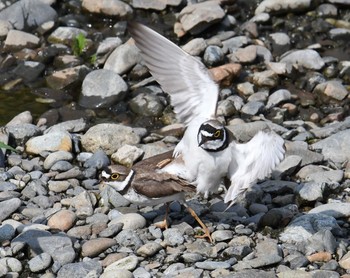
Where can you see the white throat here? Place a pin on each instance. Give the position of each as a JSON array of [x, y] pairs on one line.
[[120, 185]]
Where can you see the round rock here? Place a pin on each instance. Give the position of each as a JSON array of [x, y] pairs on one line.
[[109, 138], [101, 88], [130, 221], [62, 220]]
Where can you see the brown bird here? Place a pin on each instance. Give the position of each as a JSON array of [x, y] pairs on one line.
[[144, 184]]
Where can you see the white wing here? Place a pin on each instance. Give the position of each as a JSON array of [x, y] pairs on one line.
[[252, 161], [192, 91]]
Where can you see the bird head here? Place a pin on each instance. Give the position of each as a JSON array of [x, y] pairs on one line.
[[117, 176], [212, 136]]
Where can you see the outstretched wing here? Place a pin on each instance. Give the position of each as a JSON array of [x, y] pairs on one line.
[[192, 91], [253, 161]]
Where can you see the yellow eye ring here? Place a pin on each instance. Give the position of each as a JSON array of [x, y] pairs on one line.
[[217, 133], [115, 176]]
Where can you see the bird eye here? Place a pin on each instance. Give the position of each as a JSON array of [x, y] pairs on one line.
[[217, 133], [115, 176]]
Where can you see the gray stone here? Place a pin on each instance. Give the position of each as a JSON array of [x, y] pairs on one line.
[[131, 221], [16, 40], [280, 43], [54, 157], [173, 236], [267, 253], [232, 44], [307, 58], [252, 108], [23, 132], [212, 265], [40, 262], [267, 78], [102, 88], [61, 166], [252, 273], [303, 227], [275, 6], [84, 204], [192, 257], [287, 166], [197, 17], [98, 160], [128, 263], [195, 47], [336, 210], [8, 207], [141, 272], [213, 56], [108, 137], [246, 131], [333, 90], [327, 10], [247, 54], [301, 149], [158, 5], [278, 97], [222, 235], [245, 88], [56, 141], [72, 126], [312, 191], [114, 8], [335, 148], [65, 35], [334, 127], [127, 155], [7, 232], [11, 264], [123, 58], [62, 79], [80, 270], [146, 104], [149, 249], [58, 246], [22, 118], [129, 238], [321, 241], [28, 14], [339, 33], [29, 70]]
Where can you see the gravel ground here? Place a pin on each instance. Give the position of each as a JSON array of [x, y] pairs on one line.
[[283, 65]]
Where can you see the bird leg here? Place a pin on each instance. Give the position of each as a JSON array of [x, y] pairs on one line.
[[164, 224], [204, 227]]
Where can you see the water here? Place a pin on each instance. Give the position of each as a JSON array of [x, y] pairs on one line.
[[15, 102]]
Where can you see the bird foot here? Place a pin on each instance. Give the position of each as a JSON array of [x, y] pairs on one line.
[[162, 224], [205, 235]]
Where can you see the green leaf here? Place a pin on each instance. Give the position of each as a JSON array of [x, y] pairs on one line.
[[79, 44], [7, 147]]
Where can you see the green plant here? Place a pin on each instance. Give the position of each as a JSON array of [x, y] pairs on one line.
[[7, 147], [79, 44]]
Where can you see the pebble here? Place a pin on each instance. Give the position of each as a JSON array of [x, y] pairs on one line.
[[130, 221], [56, 141], [62, 220], [128, 263], [149, 249], [101, 106], [94, 247], [40, 262], [108, 137]]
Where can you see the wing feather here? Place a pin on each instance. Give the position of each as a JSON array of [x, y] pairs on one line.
[[193, 92], [253, 161]]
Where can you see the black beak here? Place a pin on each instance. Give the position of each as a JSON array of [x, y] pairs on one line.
[[204, 140]]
